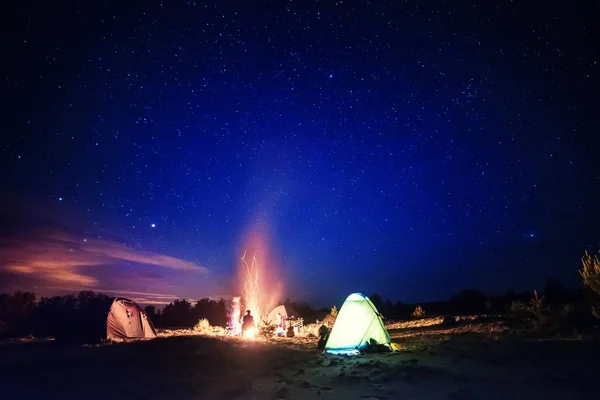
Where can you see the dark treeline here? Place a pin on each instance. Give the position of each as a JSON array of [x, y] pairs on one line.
[[472, 301], [82, 318], [184, 314]]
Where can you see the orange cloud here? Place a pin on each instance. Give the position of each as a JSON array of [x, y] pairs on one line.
[[65, 260], [116, 251], [53, 272], [158, 299]]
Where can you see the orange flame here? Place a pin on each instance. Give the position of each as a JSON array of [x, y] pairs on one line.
[[259, 283], [251, 287]]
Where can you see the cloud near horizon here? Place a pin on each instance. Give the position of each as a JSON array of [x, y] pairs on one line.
[[158, 299], [59, 259]]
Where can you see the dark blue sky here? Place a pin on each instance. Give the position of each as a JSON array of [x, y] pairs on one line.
[[407, 148]]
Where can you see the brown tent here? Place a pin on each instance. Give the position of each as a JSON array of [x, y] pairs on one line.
[[127, 321]]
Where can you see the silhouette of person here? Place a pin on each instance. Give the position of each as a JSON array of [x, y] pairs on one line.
[[323, 336], [247, 321]]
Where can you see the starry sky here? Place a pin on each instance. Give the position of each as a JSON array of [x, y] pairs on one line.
[[408, 148]]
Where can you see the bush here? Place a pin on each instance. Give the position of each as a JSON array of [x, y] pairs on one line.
[[334, 312], [567, 309], [544, 317], [418, 312], [203, 327], [537, 305], [591, 278], [519, 307], [267, 329], [312, 330]]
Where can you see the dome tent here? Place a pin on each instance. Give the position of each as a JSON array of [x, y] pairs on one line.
[[358, 324], [285, 312], [127, 321]]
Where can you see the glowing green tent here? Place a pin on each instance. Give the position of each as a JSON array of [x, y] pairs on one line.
[[358, 324]]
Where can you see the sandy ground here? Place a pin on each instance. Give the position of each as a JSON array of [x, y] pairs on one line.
[[435, 363]]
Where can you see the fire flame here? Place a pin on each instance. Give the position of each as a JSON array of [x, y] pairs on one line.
[[259, 283], [251, 333], [251, 288], [235, 322]]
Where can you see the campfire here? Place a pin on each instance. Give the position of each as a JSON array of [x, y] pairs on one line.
[[251, 286], [256, 296]]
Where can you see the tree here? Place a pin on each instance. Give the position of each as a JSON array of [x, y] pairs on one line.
[[376, 300], [555, 292], [388, 307], [16, 309], [178, 314], [220, 313], [151, 312], [302, 308], [469, 300], [92, 309], [215, 312]]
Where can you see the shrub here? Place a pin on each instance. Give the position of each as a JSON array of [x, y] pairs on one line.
[[591, 277], [488, 306], [267, 329], [519, 307], [312, 330], [334, 312], [537, 304], [543, 317], [567, 309], [418, 313], [203, 327]]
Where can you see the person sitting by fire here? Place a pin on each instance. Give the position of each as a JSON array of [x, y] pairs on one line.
[[247, 322], [323, 335]]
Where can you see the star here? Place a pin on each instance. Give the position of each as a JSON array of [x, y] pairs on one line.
[[394, 163]]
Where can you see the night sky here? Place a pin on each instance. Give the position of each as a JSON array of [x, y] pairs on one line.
[[408, 148]]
